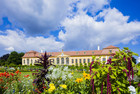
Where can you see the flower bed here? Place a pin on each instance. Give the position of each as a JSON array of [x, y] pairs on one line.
[[117, 76]]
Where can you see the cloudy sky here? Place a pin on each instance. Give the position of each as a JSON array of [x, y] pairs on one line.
[[53, 25]]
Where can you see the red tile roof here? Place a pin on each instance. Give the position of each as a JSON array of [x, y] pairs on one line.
[[111, 47], [105, 51]]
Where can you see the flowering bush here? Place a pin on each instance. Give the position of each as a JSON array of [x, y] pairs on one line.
[[11, 83], [64, 82], [115, 76]]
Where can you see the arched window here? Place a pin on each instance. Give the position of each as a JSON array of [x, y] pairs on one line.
[[27, 61], [75, 60], [84, 60], [24, 61], [110, 57], [104, 59], [57, 60], [110, 51], [62, 60], [80, 60], [67, 60], [88, 60], [72, 61], [31, 61]]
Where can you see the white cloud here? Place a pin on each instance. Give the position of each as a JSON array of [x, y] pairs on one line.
[[9, 49], [82, 30], [86, 32], [138, 59], [92, 5], [42, 16], [16, 40], [35, 17]]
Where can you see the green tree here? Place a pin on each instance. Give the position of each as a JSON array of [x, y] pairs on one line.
[[15, 58], [134, 60], [3, 59]]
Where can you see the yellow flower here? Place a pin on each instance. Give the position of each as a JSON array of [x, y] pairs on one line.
[[86, 76], [72, 73], [79, 80], [52, 88], [51, 84], [63, 86]]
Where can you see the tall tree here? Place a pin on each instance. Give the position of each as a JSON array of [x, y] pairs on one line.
[[15, 58], [3, 59]]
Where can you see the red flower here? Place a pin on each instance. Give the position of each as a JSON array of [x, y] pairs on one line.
[[139, 85], [44, 87], [36, 89], [12, 74], [17, 72], [1, 80], [19, 80], [7, 75], [6, 87], [26, 76]]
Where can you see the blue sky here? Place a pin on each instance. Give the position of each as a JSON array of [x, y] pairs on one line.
[[68, 24]]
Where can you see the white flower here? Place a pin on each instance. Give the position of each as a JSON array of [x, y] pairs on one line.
[[50, 68], [69, 76], [66, 68], [64, 77], [132, 89]]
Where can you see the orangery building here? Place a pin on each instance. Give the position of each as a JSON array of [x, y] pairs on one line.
[[71, 57]]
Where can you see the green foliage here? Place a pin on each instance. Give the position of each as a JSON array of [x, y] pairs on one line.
[[112, 77], [3, 59], [15, 58], [138, 64]]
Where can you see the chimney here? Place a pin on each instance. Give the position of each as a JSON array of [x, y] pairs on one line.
[[98, 47], [41, 51]]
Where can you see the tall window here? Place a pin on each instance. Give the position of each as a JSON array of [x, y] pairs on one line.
[[31, 61], [110, 57], [72, 61], [97, 58], [52, 61], [84, 60], [67, 60], [75, 60], [24, 61], [80, 60], [57, 60], [62, 60], [88, 60], [110, 51], [104, 59], [27, 61]]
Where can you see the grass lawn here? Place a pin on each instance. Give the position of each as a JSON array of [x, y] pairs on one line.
[[76, 74]]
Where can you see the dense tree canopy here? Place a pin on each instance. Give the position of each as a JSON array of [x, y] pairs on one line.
[[4, 57], [12, 58]]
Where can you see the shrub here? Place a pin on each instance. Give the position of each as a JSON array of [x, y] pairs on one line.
[[115, 76]]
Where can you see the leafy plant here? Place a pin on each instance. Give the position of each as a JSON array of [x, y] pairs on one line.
[[40, 77], [115, 76]]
